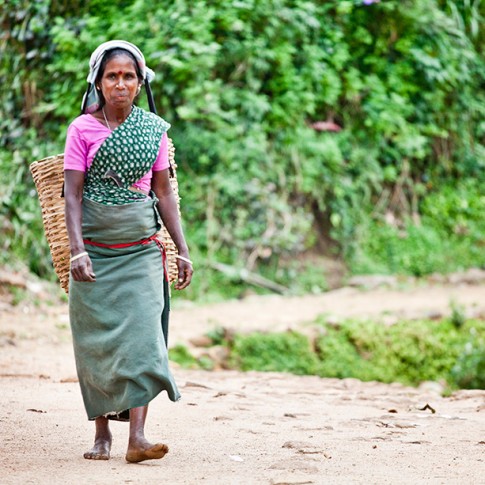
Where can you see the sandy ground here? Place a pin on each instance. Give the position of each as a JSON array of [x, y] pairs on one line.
[[244, 428]]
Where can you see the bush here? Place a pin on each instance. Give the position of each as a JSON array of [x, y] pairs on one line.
[[469, 370], [408, 352], [449, 236], [287, 352]]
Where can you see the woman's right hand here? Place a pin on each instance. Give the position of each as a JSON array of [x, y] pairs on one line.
[[82, 269]]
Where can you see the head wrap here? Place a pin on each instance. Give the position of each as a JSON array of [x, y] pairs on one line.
[[91, 101]]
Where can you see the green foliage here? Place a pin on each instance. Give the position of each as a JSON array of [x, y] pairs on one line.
[[458, 316], [304, 276], [217, 336], [469, 370], [19, 295], [284, 352], [408, 352], [182, 356], [449, 236], [243, 84], [21, 233]]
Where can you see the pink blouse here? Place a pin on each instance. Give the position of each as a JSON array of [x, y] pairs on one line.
[[84, 137]]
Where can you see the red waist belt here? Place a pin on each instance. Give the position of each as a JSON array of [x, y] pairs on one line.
[[145, 241]]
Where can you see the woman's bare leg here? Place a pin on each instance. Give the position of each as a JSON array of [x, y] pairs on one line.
[[139, 449], [102, 441]]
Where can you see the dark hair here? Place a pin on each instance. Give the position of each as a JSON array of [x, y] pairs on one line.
[[118, 51]]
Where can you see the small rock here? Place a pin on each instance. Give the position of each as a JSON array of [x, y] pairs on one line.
[[219, 355], [333, 321], [297, 445], [12, 279], [473, 276], [390, 320], [201, 341], [235, 458], [373, 281], [34, 287], [435, 315], [432, 386]]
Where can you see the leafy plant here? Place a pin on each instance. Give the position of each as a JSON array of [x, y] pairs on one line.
[[407, 352], [182, 356], [469, 370], [298, 124], [286, 352], [449, 235]]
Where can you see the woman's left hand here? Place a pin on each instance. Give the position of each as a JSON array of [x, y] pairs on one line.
[[185, 270], [168, 210]]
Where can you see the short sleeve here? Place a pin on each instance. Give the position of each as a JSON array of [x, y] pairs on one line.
[[76, 151], [161, 163]]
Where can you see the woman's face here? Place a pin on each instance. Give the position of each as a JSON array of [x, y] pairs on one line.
[[119, 83]]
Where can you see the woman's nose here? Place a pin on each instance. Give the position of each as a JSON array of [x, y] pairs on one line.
[[120, 83]]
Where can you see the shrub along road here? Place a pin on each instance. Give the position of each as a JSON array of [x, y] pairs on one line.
[[389, 301]]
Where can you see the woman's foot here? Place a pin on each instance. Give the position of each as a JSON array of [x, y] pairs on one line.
[[100, 450], [142, 450]]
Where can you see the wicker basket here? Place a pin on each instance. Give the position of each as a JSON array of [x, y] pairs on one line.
[[48, 175]]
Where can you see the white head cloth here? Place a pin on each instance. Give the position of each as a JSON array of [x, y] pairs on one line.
[[91, 99]]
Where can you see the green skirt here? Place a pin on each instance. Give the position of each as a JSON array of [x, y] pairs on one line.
[[120, 323]]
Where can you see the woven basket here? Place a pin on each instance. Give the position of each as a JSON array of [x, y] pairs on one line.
[[48, 175]]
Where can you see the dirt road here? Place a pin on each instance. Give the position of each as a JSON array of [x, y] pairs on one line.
[[243, 428]]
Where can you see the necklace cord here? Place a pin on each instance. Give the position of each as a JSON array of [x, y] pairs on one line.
[[106, 119]]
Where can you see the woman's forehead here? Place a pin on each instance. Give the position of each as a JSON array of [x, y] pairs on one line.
[[120, 63]]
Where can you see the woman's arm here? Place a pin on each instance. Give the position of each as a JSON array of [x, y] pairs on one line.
[[81, 269], [167, 206]]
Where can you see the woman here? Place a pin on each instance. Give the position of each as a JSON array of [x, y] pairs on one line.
[[116, 186]]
